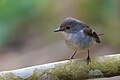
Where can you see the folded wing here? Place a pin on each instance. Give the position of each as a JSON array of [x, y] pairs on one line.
[[91, 33]]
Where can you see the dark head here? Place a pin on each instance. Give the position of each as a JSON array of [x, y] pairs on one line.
[[70, 25]]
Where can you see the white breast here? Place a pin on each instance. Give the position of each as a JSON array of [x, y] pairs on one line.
[[78, 41]]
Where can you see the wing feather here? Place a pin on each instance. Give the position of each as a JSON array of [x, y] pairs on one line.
[[91, 33]]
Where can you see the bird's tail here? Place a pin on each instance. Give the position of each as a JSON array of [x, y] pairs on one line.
[[100, 34]]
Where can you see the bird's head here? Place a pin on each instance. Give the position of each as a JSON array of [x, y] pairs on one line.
[[70, 25]]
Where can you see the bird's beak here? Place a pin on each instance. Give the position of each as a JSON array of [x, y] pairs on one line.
[[58, 30]]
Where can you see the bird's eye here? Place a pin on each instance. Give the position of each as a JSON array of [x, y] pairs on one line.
[[68, 27]]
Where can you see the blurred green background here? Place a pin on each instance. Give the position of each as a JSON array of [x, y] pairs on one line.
[[26, 29], [18, 17]]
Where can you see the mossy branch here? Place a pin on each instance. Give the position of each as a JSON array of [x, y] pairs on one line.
[[77, 69]]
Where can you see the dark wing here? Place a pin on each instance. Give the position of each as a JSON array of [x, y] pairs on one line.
[[91, 33]]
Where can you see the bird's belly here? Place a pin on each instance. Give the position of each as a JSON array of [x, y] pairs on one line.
[[78, 41], [78, 44], [72, 45]]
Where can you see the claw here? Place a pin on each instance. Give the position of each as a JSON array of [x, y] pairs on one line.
[[88, 60]]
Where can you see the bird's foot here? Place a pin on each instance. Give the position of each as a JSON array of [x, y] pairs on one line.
[[70, 59], [88, 60]]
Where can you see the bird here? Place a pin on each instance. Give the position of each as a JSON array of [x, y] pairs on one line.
[[78, 36]]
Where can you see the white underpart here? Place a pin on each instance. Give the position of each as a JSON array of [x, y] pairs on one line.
[[79, 41]]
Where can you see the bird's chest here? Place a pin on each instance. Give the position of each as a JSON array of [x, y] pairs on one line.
[[78, 41], [73, 42]]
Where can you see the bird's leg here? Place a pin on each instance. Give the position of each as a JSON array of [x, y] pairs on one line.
[[88, 58], [72, 55]]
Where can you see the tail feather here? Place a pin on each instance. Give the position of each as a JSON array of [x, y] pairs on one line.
[[100, 34]]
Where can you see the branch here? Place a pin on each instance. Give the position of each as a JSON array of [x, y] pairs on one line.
[[100, 67]]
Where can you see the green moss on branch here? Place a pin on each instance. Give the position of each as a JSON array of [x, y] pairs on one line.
[[77, 69]]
